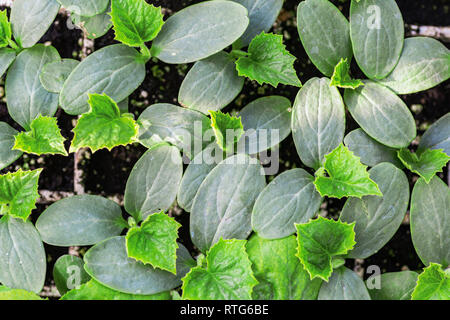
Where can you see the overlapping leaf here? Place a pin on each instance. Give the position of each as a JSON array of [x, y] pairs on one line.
[[44, 137], [321, 240], [268, 61], [155, 242], [226, 275], [347, 176]]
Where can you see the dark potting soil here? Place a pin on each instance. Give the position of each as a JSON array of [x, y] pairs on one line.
[[106, 173]]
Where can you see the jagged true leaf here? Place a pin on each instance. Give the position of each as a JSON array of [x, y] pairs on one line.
[[7, 137], [325, 34], [54, 74], [5, 29], [227, 274], [19, 192], [395, 286], [424, 63], [347, 176], [104, 126], [199, 31], [426, 164], [155, 242], [227, 129], [344, 284], [135, 21], [433, 284], [430, 228], [44, 137], [17, 294], [280, 274], [319, 241], [341, 76], [94, 290], [30, 21], [377, 32], [268, 61], [69, 273], [22, 255], [81, 220]]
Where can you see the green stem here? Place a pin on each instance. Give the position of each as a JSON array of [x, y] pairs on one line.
[[14, 45], [145, 52], [236, 54]]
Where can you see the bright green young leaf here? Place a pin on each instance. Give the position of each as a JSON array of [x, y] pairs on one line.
[[341, 76], [268, 61], [44, 137], [279, 272], [321, 240], [54, 74], [227, 129], [7, 138], [135, 21], [155, 242], [395, 286], [104, 126], [17, 294], [5, 29], [69, 273], [433, 284], [325, 34], [426, 164], [347, 176], [227, 274], [19, 192], [93, 290]]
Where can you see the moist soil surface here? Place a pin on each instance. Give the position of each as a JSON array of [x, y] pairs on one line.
[[105, 173]]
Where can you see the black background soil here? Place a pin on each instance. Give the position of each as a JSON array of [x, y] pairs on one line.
[[106, 173]]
